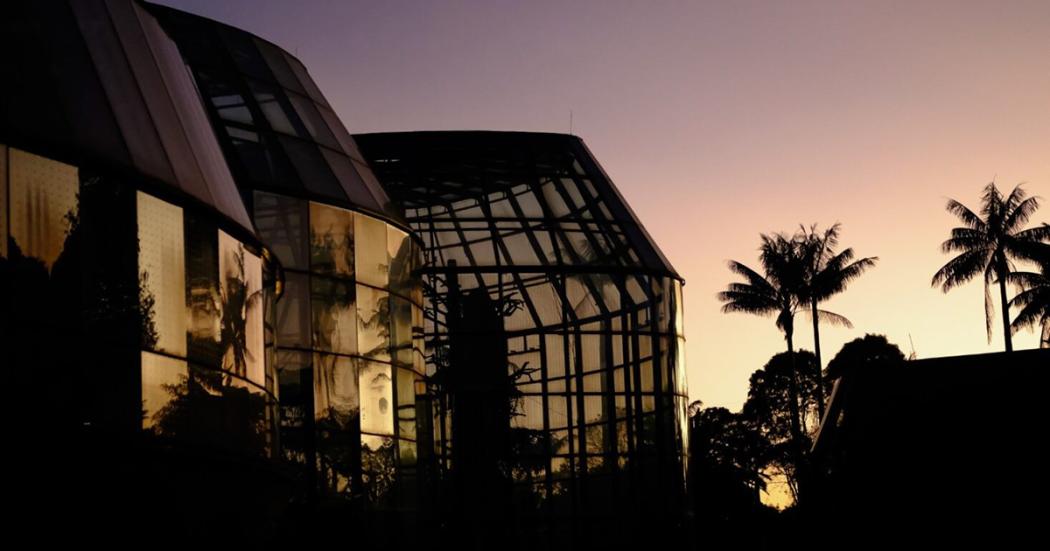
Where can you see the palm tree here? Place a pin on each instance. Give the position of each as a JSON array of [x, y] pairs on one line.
[[829, 274], [777, 293], [1033, 302], [988, 243]]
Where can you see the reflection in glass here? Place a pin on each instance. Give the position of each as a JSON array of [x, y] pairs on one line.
[[241, 326], [204, 303], [42, 195], [406, 403], [377, 411], [371, 251], [3, 200], [162, 271], [378, 469], [335, 323], [401, 330], [331, 240], [335, 387], [401, 260], [373, 323], [160, 376]]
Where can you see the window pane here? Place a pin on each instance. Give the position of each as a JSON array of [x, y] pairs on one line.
[[281, 223], [313, 171], [373, 323], [331, 240], [203, 300], [293, 312], [401, 330], [294, 392], [43, 199], [371, 251], [315, 125], [3, 200], [377, 465], [377, 410], [401, 259], [241, 324], [334, 318], [162, 274], [161, 378], [273, 107], [335, 388], [406, 403], [253, 319]]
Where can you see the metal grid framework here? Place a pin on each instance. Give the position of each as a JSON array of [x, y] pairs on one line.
[[590, 310]]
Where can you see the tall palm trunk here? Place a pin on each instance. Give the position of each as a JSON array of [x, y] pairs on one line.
[[820, 365], [796, 425], [1002, 271]]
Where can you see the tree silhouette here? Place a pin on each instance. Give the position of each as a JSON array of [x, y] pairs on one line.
[[778, 293], [1033, 302], [870, 351], [988, 244], [829, 274]]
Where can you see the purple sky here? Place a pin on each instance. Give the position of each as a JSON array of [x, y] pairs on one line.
[[721, 120]]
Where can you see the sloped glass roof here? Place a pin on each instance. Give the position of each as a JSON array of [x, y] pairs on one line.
[[99, 83]]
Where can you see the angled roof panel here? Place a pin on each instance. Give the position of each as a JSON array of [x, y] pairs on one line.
[[101, 83]]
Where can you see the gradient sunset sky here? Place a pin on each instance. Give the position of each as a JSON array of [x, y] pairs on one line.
[[722, 120]]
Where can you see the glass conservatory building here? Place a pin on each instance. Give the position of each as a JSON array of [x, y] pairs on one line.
[[223, 314], [554, 334], [348, 367]]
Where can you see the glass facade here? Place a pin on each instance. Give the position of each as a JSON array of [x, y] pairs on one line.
[[348, 365], [347, 368], [202, 374], [554, 337]]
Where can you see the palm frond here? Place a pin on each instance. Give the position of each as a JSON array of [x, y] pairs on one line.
[[965, 214], [961, 269], [830, 317], [1018, 216]]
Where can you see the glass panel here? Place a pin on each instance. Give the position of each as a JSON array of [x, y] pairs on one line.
[[293, 312], [401, 259], [401, 330], [204, 302], [335, 325], [279, 67], [331, 240], [272, 105], [373, 323], [281, 223], [377, 410], [253, 320], [242, 49], [679, 312], [3, 200], [314, 172], [335, 388], [227, 100], [241, 325], [406, 403], [371, 251], [43, 202], [162, 274], [681, 383], [408, 452], [378, 467], [296, 396], [315, 125], [161, 378]]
